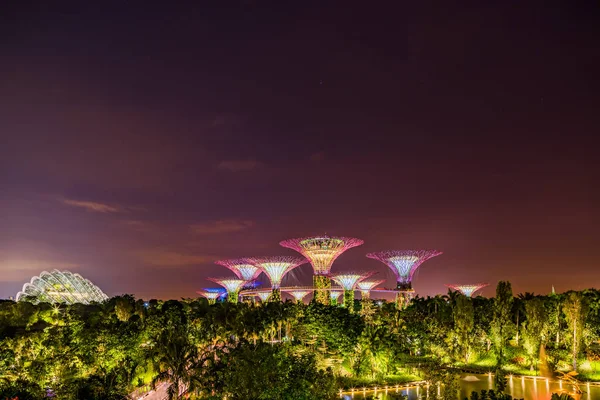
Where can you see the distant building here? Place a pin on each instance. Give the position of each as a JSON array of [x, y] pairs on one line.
[[60, 287]]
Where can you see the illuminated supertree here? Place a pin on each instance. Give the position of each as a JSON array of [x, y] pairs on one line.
[[276, 268], [241, 267], [334, 295], [404, 263], [366, 286], [232, 285], [348, 280], [468, 290], [212, 294], [264, 295], [298, 293], [321, 251]]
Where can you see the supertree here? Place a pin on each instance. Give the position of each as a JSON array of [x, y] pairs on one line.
[[348, 280], [334, 295], [264, 295], [298, 293], [276, 268], [321, 251], [212, 294], [404, 263], [241, 267], [232, 285], [365, 287], [468, 290]]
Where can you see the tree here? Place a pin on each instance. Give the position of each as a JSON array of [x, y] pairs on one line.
[[464, 321], [176, 361], [575, 309], [535, 328], [269, 372], [502, 325]]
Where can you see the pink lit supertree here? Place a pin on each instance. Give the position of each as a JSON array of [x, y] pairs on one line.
[[404, 263], [232, 285], [348, 281], [298, 293], [241, 267], [276, 268], [321, 251], [468, 290]]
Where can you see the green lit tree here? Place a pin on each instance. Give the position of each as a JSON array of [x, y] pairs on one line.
[[502, 325]]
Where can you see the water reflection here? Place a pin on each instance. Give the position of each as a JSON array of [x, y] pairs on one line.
[[518, 387]]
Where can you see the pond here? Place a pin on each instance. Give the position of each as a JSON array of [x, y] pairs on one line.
[[518, 387]]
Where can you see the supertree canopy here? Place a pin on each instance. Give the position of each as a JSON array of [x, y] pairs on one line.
[[232, 285], [404, 263], [321, 251], [264, 295], [298, 293], [60, 287], [468, 290], [348, 280], [242, 268], [276, 268], [212, 294], [366, 286]]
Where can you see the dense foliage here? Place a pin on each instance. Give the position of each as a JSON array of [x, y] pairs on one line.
[[287, 350]]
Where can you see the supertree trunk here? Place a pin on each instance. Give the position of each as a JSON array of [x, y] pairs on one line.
[[321, 283], [401, 300], [275, 296], [349, 300]]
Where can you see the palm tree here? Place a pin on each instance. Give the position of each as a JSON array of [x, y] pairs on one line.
[[176, 360]]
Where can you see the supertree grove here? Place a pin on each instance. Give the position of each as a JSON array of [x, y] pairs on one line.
[[232, 285], [348, 280], [298, 293], [404, 263], [241, 267], [212, 294], [321, 251], [276, 268], [468, 290]]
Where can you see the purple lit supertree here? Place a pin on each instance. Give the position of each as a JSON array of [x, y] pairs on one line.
[[366, 286], [241, 267], [298, 293], [404, 263], [348, 280], [232, 285], [321, 251], [276, 268], [212, 294], [468, 290]]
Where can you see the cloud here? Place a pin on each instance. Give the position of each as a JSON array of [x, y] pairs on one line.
[[92, 206], [238, 165], [221, 226], [14, 270], [165, 258]]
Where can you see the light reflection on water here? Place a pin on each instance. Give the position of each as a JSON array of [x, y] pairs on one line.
[[518, 387]]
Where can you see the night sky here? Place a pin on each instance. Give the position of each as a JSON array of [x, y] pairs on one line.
[[140, 143]]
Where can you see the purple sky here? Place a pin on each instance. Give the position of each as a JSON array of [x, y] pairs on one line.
[[140, 144]]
